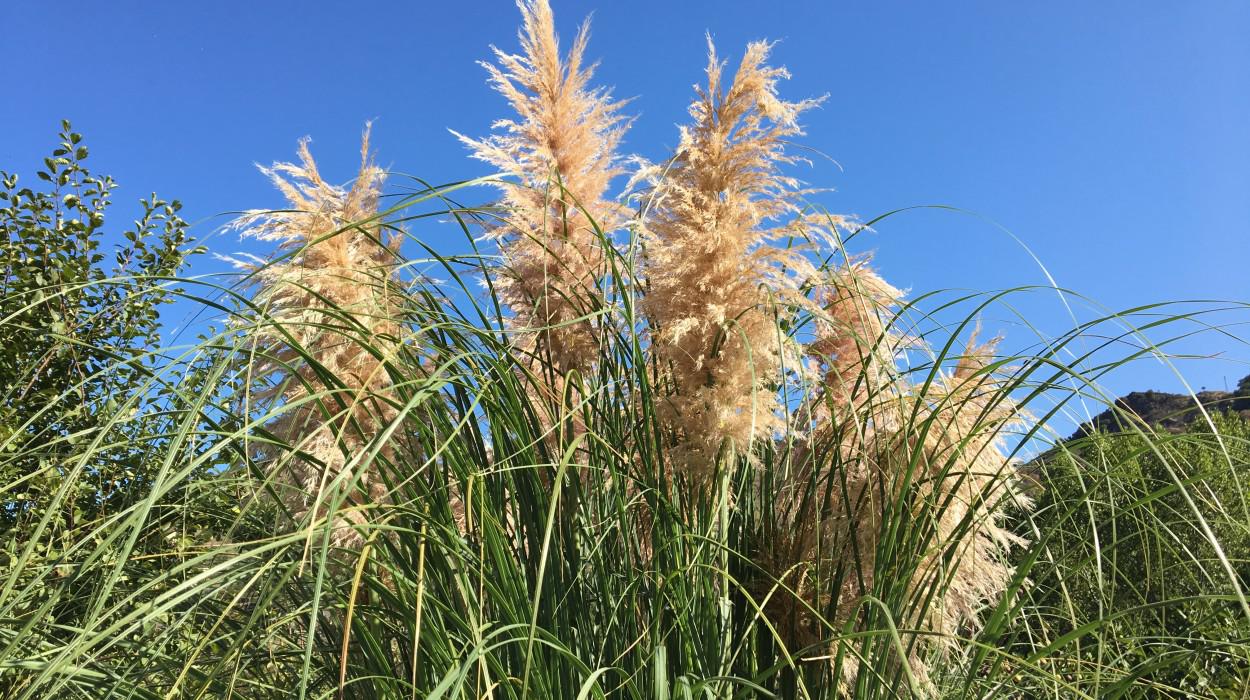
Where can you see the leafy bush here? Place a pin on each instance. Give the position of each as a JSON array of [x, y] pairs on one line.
[[1146, 539], [94, 498], [77, 338]]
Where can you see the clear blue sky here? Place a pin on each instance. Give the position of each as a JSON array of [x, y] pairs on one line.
[[1113, 138]]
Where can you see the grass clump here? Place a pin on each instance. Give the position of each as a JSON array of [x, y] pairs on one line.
[[692, 449]]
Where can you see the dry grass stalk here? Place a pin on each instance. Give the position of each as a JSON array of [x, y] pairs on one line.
[[333, 299], [714, 282], [562, 145]]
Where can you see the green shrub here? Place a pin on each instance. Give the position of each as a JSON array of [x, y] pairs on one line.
[[77, 338], [1130, 525], [98, 495]]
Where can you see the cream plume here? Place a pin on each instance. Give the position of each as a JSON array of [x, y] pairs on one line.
[[562, 145], [714, 282], [885, 447], [331, 298]]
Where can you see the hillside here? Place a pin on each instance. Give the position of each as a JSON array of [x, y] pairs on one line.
[[1170, 412]]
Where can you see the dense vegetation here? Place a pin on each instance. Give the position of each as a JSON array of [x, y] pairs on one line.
[[680, 443], [1135, 526]]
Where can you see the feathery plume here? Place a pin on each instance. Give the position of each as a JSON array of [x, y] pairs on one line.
[[714, 283], [887, 451], [562, 145], [954, 458], [830, 511], [968, 469], [331, 306], [854, 349]]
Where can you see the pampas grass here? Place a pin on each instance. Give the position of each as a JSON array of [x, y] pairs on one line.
[[882, 448], [561, 146], [715, 285], [786, 479], [330, 294]]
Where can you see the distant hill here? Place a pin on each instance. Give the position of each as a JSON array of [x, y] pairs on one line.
[[1157, 410], [1170, 412]]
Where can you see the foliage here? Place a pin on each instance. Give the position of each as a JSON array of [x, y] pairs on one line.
[[83, 418], [77, 337], [1140, 531], [381, 476]]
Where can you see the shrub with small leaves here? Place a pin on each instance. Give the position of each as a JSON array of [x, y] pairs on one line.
[[76, 336]]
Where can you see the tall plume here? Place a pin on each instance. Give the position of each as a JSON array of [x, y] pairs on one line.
[[331, 305], [969, 477], [562, 145], [713, 279], [948, 471], [883, 449], [854, 348]]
